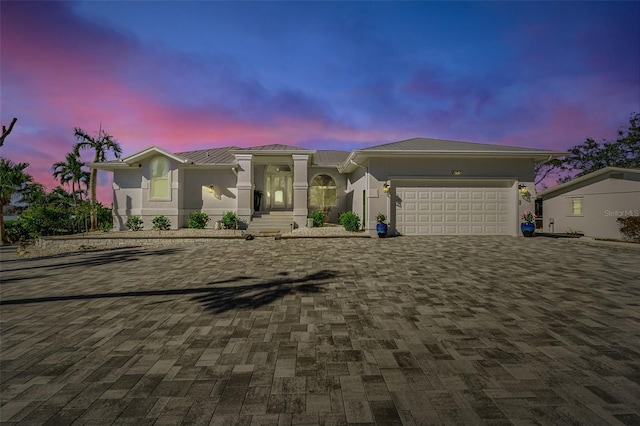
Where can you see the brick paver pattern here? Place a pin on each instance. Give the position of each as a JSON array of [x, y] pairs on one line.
[[411, 330]]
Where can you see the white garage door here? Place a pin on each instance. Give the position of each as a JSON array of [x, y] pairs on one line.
[[455, 211]]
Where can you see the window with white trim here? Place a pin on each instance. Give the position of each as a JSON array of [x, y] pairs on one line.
[[576, 206], [160, 177]]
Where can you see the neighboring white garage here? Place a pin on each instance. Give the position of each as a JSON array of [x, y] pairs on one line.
[[456, 208]]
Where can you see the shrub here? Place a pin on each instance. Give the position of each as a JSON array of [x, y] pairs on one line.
[[46, 220], [161, 223], [630, 227], [105, 217], [134, 223], [198, 220], [105, 226], [318, 217], [230, 220], [14, 231], [350, 221]]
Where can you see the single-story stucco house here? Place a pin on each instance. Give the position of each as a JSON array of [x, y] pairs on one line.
[[424, 186], [591, 203]]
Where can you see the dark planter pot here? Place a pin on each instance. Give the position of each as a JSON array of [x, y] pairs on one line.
[[381, 229], [528, 229]]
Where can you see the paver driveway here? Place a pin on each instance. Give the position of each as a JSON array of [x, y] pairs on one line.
[[449, 330]]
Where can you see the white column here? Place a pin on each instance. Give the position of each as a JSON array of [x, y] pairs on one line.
[[300, 189], [244, 186]]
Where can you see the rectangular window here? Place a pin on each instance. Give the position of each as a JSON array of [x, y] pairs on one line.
[[160, 187], [576, 206]]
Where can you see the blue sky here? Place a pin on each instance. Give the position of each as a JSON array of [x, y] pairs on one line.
[[325, 75]]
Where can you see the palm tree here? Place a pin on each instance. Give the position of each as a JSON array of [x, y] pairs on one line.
[[101, 144], [85, 177], [12, 181], [34, 194], [70, 171]]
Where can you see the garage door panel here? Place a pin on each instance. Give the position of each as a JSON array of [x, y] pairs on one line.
[[455, 211], [451, 207]]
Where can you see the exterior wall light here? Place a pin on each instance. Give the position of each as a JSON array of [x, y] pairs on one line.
[[523, 189], [386, 187], [212, 189], [456, 172]]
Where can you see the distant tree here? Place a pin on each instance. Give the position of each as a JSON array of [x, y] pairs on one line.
[[590, 155], [70, 171], [60, 197], [12, 181], [34, 194], [102, 144], [6, 131]]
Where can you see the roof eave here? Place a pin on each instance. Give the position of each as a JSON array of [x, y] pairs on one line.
[[210, 166], [135, 157], [347, 166], [111, 165]]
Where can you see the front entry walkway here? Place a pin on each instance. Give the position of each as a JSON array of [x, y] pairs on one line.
[[413, 330]]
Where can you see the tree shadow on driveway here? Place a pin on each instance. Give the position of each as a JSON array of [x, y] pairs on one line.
[[216, 299], [255, 295], [90, 258]]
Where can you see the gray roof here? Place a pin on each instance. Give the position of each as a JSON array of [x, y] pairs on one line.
[[329, 157], [210, 156], [426, 144], [622, 172], [274, 147]]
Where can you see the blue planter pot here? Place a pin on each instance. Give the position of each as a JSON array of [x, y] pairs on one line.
[[528, 229], [381, 229]]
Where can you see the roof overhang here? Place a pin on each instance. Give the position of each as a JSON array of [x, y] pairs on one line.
[[134, 159], [355, 159], [151, 151]]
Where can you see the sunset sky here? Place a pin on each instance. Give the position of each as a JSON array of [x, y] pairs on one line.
[[322, 75]]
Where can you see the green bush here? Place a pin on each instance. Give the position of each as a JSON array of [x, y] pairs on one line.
[[134, 223], [161, 223], [198, 220], [14, 231], [318, 217], [105, 226], [47, 220], [350, 221], [230, 220], [630, 227], [105, 217]]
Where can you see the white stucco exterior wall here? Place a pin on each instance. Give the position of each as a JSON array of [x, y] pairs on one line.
[[602, 203]]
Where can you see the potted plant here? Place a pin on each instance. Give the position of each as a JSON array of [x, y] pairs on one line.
[[257, 199], [381, 226], [527, 227]]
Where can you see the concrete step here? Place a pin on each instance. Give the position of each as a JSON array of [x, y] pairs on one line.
[[271, 222]]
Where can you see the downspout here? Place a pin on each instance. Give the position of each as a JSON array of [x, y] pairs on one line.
[[364, 201]]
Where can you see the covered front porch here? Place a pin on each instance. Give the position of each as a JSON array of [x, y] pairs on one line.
[[273, 182]]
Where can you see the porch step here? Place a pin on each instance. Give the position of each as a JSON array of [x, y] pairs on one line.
[[271, 223]]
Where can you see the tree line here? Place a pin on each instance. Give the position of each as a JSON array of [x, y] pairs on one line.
[[63, 210], [591, 155]]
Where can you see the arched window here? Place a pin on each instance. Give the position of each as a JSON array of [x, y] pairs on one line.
[[160, 177], [323, 192]]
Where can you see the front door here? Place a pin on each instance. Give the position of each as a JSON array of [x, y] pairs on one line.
[[279, 191]]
